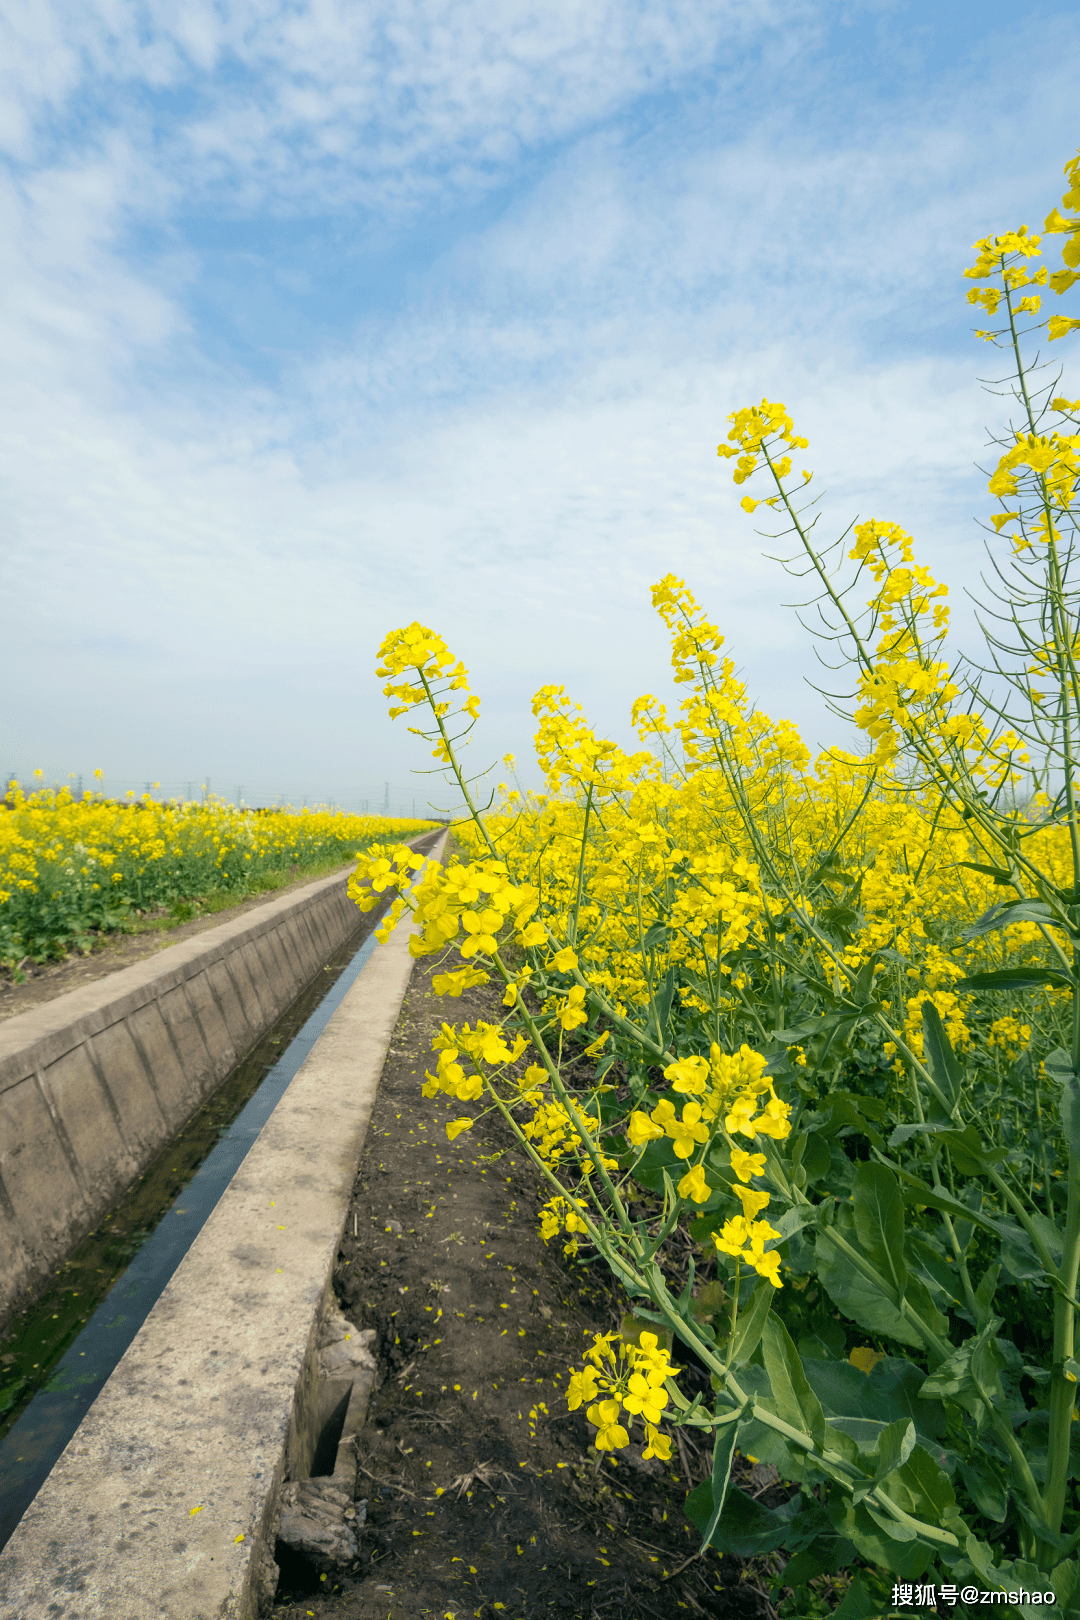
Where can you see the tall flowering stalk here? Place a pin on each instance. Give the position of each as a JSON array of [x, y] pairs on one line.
[[972, 744], [783, 980]]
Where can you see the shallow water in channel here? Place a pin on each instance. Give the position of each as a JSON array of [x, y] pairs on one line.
[[56, 1356]]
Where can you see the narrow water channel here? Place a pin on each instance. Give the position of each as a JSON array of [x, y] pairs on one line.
[[57, 1356]]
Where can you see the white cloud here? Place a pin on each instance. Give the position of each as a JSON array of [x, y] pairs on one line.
[[529, 538], [515, 450], [347, 99]]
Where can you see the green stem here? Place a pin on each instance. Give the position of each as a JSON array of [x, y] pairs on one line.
[[581, 865], [592, 1148], [455, 767], [1062, 1388]]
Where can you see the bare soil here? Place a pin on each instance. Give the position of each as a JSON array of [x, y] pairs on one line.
[[484, 1495]]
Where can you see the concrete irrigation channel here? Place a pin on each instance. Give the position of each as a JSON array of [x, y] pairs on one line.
[[168, 1499]]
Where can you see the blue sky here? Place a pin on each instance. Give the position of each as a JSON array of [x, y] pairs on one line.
[[324, 316]]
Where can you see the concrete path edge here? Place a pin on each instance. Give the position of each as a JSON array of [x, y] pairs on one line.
[[94, 1083], [164, 1503]]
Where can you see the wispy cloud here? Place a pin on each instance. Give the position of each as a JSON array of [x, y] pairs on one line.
[[379, 102], [576, 238]]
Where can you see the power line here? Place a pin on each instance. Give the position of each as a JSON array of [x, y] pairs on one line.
[[396, 800]]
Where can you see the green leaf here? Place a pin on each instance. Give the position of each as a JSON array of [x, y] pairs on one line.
[[793, 1220], [918, 1192], [823, 1555], [858, 1604], [794, 1400], [864, 1433], [847, 1111], [980, 1556], [877, 1544], [895, 1529], [816, 1157], [795, 1036], [889, 1392], [879, 1222], [971, 1375], [760, 1440], [970, 1153], [1059, 1065], [904, 1133], [872, 1303], [1053, 1539], [998, 873], [745, 1527], [750, 1323], [1011, 911], [1018, 1257], [869, 1107], [660, 1008], [1049, 1233], [723, 1452], [1018, 1575], [921, 1488], [839, 920], [1063, 1580], [985, 1486], [940, 1057], [925, 1256], [1018, 978], [809, 1520], [984, 1294], [825, 1338], [895, 1443], [655, 1159]]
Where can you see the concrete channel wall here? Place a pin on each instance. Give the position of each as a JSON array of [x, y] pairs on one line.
[[166, 1503], [94, 1083]]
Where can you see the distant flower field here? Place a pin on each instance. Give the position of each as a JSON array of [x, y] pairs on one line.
[[72, 868]]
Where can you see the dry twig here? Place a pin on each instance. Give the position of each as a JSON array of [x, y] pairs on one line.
[[481, 1474]]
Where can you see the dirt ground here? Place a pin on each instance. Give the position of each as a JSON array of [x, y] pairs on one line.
[[484, 1495], [47, 980]]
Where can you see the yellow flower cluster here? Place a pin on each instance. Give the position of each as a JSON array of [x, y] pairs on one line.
[[673, 854], [484, 1044], [732, 1081], [756, 433], [1010, 1035], [745, 1237], [426, 657], [69, 866], [473, 900], [432, 675], [561, 1215], [733, 928], [623, 1376], [1004, 255]]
